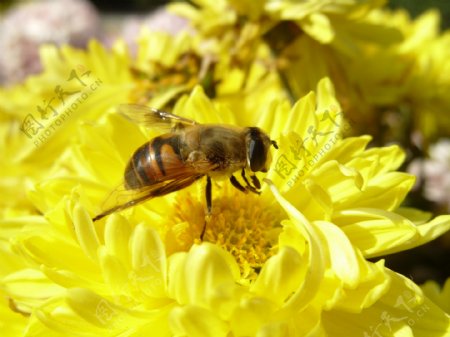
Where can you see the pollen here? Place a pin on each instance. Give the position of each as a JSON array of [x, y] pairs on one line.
[[243, 224]]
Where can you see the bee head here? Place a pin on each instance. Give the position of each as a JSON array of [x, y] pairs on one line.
[[257, 145]]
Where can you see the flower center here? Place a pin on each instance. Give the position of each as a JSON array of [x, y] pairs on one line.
[[243, 224]]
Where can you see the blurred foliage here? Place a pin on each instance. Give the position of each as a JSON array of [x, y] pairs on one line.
[[415, 7]]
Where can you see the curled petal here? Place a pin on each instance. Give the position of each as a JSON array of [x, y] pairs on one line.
[[305, 294], [280, 276]]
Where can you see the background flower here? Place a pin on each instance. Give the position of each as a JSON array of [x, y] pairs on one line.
[[27, 27]]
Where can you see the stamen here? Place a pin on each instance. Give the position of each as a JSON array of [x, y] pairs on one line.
[[240, 223]]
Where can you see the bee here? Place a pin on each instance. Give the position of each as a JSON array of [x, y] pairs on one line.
[[188, 152]]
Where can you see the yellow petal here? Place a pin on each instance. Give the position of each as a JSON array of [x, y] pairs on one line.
[[339, 181], [440, 296], [280, 276], [277, 329], [97, 310], [348, 148], [85, 231], [206, 269], [59, 254], [195, 321], [117, 237], [319, 27], [251, 314], [304, 295], [385, 192], [406, 300], [326, 97], [113, 271], [425, 233], [148, 261], [200, 108], [30, 286], [302, 115], [55, 318], [416, 216], [373, 284], [302, 323], [321, 197], [343, 258], [374, 231]]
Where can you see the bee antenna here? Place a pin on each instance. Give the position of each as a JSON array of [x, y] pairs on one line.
[[274, 143]]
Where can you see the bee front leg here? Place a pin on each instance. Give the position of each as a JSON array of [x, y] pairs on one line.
[[249, 186], [255, 181], [237, 184]]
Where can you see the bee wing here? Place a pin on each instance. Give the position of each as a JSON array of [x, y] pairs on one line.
[[122, 198], [152, 117], [176, 178]]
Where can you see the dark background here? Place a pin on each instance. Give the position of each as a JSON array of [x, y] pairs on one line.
[[415, 7]]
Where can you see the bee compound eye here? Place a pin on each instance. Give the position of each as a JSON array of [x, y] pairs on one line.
[[256, 154]]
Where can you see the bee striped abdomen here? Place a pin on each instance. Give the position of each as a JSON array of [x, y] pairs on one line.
[[153, 162]]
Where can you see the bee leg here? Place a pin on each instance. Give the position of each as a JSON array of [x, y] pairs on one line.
[[208, 194], [244, 177], [250, 187], [255, 182], [237, 184]]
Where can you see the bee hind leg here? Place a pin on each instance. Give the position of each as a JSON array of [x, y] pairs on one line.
[[208, 195]]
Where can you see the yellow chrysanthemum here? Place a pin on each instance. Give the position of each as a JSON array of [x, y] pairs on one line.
[[288, 262], [403, 84], [298, 42], [390, 72], [215, 17]]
